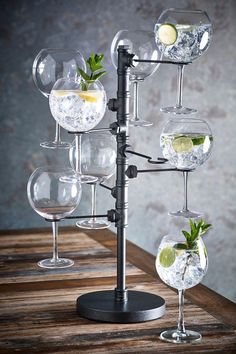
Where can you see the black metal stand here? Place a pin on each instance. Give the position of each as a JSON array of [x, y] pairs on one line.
[[121, 305]]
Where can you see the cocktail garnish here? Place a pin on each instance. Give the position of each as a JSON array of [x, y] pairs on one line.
[[95, 65], [167, 34]]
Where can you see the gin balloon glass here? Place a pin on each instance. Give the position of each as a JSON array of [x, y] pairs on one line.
[[78, 111], [53, 199], [142, 44], [186, 143], [182, 36], [49, 65], [98, 159], [181, 269]]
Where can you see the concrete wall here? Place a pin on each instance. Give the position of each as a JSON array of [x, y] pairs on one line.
[[28, 26]]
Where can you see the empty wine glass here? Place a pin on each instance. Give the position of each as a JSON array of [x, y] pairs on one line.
[[49, 65], [53, 199], [142, 44], [182, 268], [98, 159], [78, 111], [187, 144], [182, 36]]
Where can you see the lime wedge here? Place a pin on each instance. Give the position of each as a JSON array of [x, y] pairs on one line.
[[199, 140], [180, 248], [167, 257], [167, 34], [182, 144]]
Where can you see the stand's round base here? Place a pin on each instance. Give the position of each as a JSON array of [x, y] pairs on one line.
[[102, 306]]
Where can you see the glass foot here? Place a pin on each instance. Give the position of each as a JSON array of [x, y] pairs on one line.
[[175, 336], [93, 224], [178, 110], [51, 263], [139, 123], [55, 145], [186, 214], [79, 178]]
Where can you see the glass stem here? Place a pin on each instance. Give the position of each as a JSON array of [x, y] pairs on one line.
[[135, 117], [55, 240], [94, 199], [181, 327], [180, 86], [58, 133], [78, 154], [185, 207]]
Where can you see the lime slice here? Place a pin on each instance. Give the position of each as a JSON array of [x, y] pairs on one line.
[[90, 96], [182, 144], [199, 140], [167, 257], [167, 34], [180, 248]]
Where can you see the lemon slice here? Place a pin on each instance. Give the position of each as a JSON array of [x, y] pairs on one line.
[[167, 34], [182, 144], [90, 95], [167, 257]]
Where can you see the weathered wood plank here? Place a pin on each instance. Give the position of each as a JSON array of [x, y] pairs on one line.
[[37, 307]]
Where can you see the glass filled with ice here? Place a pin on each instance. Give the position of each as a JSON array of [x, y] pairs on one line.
[[182, 36], [186, 143], [181, 263]]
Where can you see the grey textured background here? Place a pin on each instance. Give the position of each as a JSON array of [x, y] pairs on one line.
[[28, 26]]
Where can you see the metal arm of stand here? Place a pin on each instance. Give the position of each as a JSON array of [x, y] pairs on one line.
[[111, 216], [92, 131], [132, 171], [160, 160], [162, 61]]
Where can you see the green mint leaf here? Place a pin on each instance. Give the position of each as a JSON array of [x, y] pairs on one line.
[[192, 225], [98, 75], [84, 86], [84, 75], [94, 64], [205, 228], [180, 246], [96, 67], [186, 235]]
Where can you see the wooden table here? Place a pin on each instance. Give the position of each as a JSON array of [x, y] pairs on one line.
[[37, 306]]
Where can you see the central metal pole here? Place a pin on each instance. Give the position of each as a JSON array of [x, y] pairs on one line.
[[122, 180], [120, 305]]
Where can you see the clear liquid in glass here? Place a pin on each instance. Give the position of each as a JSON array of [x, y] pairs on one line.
[[192, 41], [77, 110], [187, 270], [186, 151]]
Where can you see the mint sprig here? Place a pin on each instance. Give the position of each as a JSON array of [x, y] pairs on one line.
[[94, 62], [197, 229]]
